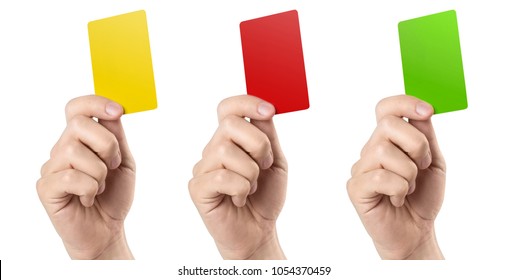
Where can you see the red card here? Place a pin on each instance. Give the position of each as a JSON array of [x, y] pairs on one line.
[[273, 60]]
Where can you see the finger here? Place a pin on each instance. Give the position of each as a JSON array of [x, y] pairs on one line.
[[426, 127], [403, 106], [92, 134], [430, 189], [119, 193], [386, 155], [77, 156], [366, 188], [245, 106], [93, 106], [58, 186], [245, 135], [116, 128], [404, 135], [205, 189], [228, 156], [276, 158]]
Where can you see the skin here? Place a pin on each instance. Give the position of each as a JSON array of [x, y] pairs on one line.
[[398, 184], [239, 185], [87, 185]]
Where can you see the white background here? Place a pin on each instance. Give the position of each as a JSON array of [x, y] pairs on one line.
[[352, 61]]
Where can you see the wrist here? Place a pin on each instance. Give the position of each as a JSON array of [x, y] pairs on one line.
[[270, 249], [427, 250], [118, 249]]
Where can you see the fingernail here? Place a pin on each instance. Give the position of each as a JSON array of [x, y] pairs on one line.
[[116, 161], [426, 161], [267, 162], [113, 109], [423, 109], [265, 109]]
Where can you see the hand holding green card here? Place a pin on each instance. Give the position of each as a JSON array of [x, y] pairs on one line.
[[431, 58]]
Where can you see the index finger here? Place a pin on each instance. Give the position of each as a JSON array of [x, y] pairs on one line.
[[93, 106], [245, 106], [403, 106]]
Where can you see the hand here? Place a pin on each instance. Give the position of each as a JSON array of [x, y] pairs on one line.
[[87, 186], [397, 186], [239, 185]]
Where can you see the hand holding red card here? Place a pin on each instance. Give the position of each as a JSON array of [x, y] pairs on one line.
[[273, 60]]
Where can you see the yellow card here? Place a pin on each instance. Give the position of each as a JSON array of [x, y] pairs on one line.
[[121, 61]]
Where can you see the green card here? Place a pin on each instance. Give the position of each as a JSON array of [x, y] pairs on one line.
[[431, 58]]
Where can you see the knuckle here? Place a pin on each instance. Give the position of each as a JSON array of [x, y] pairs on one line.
[[196, 169], [91, 191], [110, 144], [262, 145], [221, 176], [223, 149], [40, 185], [386, 123], [242, 189], [224, 107], [69, 176], [192, 185], [102, 172], [412, 170], [382, 149], [71, 150], [228, 122], [221, 107], [69, 106], [77, 122], [379, 176], [354, 168], [253, 172], [54, 151], [350, 185], [421, 144], [403, 188], [44, 168], [365, 149], [206, 150], [379, 108]]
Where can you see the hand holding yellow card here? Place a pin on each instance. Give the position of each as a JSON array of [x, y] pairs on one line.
[[121, 61]]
